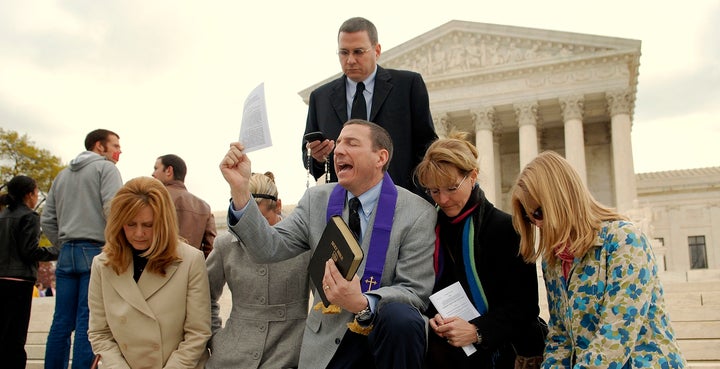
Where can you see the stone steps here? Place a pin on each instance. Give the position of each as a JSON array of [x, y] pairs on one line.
[[694, 308]]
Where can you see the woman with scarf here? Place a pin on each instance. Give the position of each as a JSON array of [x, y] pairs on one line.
[[477, 246], [604, 294]]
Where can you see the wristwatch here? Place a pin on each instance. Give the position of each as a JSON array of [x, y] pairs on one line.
[[479, 337], [364, 315]]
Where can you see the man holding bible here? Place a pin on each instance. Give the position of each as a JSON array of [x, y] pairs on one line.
[[378, 323]]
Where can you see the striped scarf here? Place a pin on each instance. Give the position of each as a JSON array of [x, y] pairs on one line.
[[468, 251]]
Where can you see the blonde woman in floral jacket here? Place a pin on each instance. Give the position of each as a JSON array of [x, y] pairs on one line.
[[604, 295]]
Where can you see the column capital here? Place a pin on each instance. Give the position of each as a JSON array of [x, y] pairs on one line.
[[526, 113], [620, 101], [442, 124], [572, 107], [484, 118]]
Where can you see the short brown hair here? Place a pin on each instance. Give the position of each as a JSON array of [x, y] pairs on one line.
[[379, 137], [442, 157], [98, 135], [359, 24]]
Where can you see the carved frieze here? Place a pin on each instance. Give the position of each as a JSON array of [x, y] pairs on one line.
[[461, 51]]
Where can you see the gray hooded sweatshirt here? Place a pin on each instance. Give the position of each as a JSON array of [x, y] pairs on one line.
[[76, 204]]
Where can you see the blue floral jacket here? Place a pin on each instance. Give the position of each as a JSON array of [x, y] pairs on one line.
[[611, 312]]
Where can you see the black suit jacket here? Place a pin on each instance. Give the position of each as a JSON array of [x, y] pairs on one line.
[[400, 105]]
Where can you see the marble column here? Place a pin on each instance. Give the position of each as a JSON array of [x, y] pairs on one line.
[[498, 165], [714, 251], [678, 252], [620, 103], [527, 120], [572, 109], [484, 120]]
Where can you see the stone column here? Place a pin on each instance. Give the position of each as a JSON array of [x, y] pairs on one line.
[[484, 120], [678, 251], [527, 120], [713, 251], [620, 103], [572, 109], [498, 165]]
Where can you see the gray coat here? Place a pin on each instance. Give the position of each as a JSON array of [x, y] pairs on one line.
[[408, 274], [269, 307]]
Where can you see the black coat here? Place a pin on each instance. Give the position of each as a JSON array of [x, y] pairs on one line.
[[400, 105], [510, 286], [19, 243]]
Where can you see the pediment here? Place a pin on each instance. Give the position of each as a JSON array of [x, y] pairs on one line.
[[459, 47], [460, 52]]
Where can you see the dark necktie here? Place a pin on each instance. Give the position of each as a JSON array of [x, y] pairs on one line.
[[359, 107], [355, 207]]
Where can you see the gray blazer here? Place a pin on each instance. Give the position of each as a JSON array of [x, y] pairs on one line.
[[408, 274]]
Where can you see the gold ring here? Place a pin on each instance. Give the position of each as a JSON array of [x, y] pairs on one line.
[[326, 287]]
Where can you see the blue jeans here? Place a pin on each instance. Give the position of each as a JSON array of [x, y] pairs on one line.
[[72, 277]]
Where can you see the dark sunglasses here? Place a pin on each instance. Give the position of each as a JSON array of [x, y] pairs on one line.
[[537, 214]]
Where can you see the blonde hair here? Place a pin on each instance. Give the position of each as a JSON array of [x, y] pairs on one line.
[[443, 158], [571, 215], [264, 184], [128, 201]]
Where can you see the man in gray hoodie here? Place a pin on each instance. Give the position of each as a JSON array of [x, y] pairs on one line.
[[74, 219]]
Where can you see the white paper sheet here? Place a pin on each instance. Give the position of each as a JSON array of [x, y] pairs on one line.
[[255, 129], [452, 301]]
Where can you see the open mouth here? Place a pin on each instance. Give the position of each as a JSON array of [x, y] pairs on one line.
[[344, 167]]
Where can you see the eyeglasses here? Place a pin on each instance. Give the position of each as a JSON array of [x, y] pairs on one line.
[[448, 191], [357, 53], [536, 214]]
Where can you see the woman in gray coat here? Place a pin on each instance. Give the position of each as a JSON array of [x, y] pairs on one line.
[[269, 301]]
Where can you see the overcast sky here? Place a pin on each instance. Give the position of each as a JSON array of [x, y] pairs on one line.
[[171, 76]]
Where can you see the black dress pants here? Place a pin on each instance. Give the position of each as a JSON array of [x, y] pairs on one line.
[[396, 341], [15, 304]]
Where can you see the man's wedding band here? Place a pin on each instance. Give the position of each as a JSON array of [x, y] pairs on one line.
[[326, 287]]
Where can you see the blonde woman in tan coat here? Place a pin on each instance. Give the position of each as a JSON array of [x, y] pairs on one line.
[[149, 293]]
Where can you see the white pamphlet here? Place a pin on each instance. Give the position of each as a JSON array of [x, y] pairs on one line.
[[255, 129], [452, 301]]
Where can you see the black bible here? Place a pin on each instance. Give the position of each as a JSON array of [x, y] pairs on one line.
[[338, 243]]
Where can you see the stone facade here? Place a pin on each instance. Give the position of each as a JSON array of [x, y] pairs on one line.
[[681, 206]]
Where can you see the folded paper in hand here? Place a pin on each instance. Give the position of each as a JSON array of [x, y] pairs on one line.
[[452, 301]]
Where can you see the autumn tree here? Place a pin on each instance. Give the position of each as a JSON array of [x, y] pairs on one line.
[[19, 155]]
